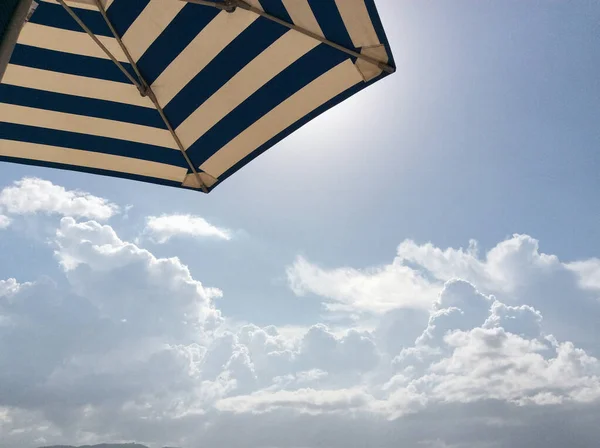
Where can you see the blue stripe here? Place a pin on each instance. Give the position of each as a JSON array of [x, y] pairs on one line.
[[95, 171], [328, 16], [122, 13], [288, 82], [73, 64], [92, 143], [57, 17], [277, 9], [78, 105], [173, 40], [249, 44]]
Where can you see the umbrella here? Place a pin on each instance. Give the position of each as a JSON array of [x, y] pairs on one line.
[[173, 92]]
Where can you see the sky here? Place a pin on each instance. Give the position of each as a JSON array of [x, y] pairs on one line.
[[420, 264]]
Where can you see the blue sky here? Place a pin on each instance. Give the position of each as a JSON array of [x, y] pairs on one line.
[[489, 128]]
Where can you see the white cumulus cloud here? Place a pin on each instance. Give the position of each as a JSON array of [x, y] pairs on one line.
[[515, 270], [375, 290], [33, 195], [588, 272], [461, 350], [163, 228]]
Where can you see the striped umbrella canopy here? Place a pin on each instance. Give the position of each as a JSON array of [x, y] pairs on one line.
[[179, 93]]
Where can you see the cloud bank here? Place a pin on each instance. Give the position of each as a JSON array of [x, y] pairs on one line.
[[450, 349]]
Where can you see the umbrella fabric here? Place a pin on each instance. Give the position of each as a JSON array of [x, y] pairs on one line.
[[231, 84]]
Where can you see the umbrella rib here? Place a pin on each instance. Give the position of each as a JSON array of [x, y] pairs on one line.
[[121, 44], [101, 45], [141, 84], [230, 5]]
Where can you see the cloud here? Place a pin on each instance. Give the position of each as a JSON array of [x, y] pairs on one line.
[[31, 195], [459, 307], [128, 327], [515, 271], [495, 364], [508, 358], [130, 283], [588, 273], [354, 351], [417, 269], [464, 355], [163, 228], [130, 346], [9, 287], [303, 400], [375, 290], [508, 269], [521, 320], [4, 222]]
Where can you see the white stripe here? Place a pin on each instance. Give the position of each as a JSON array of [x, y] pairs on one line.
[[34, 78], [215, 36], [81, 4], [358, 22], [68, 41], [303, 102], [152, 21], [88, 159], [61, 121], [272, 61], [302, 15]]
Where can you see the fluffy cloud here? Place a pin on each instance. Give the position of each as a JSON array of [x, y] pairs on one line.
[[588, 272], [163, 228], [129, 283], [514, 270], [509, 267], [129, 326], [464, 355], [32, 195], [376, 290], [9, 287], [495, 364], [4, 222], [130, 346]]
